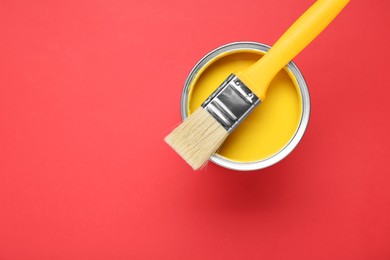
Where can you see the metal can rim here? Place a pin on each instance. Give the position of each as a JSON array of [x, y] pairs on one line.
[[305, 96]]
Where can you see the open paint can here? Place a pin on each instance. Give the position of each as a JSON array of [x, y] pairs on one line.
[[273, 129]]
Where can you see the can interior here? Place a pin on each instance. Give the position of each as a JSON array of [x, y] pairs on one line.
[[271, 126]]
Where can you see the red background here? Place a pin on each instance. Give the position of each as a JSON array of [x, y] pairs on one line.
[[88, 90]]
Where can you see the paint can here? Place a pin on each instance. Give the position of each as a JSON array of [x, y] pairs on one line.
[[234, 156]]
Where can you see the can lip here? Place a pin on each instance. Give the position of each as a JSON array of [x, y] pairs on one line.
[[287, 149]]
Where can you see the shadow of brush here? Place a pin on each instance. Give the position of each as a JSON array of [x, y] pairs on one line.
[[260, 190]]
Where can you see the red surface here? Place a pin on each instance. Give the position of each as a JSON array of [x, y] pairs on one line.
[[88, 90]]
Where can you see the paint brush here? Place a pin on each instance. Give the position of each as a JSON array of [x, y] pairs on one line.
[[200, 135]]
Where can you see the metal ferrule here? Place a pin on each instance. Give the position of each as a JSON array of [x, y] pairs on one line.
[[231, 103]]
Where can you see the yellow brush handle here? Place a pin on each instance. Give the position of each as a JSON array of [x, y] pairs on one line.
[[258, 76]]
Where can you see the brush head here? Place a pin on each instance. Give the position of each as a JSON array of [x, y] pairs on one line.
[[203, 132], [197, 138]]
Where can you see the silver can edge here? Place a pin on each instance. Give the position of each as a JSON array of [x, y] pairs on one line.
[[305, 96]]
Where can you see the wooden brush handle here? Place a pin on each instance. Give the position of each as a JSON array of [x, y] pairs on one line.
[[258, 76]]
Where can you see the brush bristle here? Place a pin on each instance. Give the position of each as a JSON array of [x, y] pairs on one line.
[[197, 138]]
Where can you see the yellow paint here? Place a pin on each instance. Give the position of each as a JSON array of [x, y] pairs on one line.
[[270, 126]]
